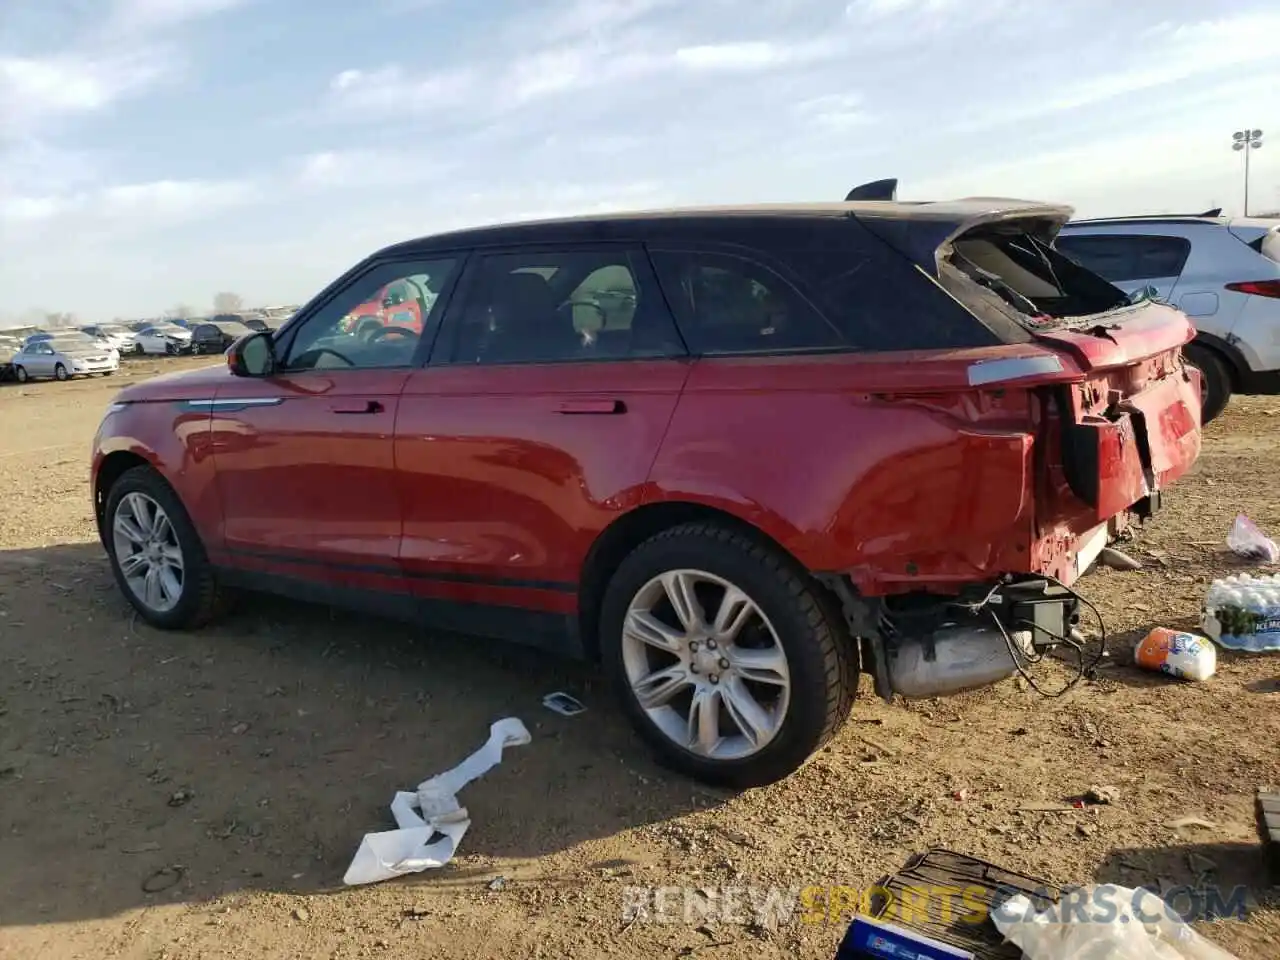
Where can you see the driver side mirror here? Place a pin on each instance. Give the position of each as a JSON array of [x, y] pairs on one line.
[[252, 356]]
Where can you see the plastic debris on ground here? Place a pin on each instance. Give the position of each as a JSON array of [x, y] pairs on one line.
[[1243, 613], [432, 812], [563, 704], [1247, 541], [1105, 922], [1176, 653]]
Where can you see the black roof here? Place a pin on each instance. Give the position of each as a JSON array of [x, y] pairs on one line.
[[693, 221]]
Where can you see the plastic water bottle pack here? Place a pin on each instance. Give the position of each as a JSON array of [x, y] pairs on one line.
[[1243, 613]]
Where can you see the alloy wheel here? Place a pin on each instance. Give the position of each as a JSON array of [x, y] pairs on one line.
[[147, 552], [705, 665]]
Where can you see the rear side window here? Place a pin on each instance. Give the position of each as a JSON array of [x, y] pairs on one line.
[[850, 292], [562, 306], [727, 304], [1122, 259]]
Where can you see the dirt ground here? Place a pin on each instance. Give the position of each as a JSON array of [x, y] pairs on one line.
[[285, 730]]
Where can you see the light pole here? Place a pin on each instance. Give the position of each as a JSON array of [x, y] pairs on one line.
[[1246, 141]]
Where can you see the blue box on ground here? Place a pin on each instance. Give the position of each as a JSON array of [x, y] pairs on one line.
[[868, 939]]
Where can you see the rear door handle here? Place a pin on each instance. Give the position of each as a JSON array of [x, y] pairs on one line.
[[357, 406], [592, 406]]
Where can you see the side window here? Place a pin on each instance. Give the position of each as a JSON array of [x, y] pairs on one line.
[[376, 322], [1122, 259], [728, 304], [562, 306]]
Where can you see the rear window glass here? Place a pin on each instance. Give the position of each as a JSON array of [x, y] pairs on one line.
[[729, 304], [849, 292], [1122, 259]]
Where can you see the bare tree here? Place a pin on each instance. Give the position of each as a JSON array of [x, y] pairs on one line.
[[228, 303], [180, 312]]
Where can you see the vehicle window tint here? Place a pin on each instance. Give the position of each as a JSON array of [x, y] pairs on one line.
[[727, 304], [375, 322], [1121, 259], [589, 304]]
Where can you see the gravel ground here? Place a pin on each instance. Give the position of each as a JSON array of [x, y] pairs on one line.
[[200, 795]]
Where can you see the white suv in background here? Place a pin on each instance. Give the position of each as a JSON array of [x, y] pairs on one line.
[[1222, 272]]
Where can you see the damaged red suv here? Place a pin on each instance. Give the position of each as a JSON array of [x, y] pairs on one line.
[[739, 455]]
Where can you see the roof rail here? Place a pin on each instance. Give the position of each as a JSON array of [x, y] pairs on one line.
[[875, 190]]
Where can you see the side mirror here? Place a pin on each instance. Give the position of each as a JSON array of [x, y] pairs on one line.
[[252, 356]]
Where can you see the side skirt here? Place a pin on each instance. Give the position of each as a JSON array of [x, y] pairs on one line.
[[555, 633]]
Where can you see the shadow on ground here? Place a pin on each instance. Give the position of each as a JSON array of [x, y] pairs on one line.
[[257, 752]]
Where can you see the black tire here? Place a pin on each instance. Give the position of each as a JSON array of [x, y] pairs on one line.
[[820, 657], [201, 599], [138, 350], [20, 374], [108, 373], [60, 372], [1217, 380]]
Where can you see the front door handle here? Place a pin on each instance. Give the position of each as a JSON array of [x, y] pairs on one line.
[[592, 406], [357, 406]]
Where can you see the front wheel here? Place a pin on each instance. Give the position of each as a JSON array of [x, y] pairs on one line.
[[156, 555], [1215, 389], [61, 372], [21, 374], [728, 660]]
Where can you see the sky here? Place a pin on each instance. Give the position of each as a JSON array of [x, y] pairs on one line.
[[156, 152]]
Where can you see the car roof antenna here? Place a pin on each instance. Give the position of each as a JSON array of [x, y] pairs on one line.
[[876, 190]]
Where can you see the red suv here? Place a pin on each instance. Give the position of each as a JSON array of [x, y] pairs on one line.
[[738, 455]]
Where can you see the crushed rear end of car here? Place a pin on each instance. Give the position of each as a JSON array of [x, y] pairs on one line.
[[1110, 418]]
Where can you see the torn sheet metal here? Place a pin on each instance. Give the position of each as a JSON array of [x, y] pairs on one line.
[[433, 811]]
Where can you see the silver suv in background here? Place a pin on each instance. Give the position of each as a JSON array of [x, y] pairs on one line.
[[1222, 272]]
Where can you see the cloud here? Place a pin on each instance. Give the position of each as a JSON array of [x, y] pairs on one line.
[[366, 168], [32, 88], [157, 14], [132, 206]]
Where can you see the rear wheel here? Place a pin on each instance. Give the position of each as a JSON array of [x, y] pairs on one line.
[[1215, 380], [728, 660], [156, 555]]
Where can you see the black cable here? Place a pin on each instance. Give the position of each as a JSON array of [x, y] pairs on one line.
[[1081, 670]]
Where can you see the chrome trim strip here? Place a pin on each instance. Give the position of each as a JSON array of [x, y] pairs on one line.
[[236, 402], [1012, 368]]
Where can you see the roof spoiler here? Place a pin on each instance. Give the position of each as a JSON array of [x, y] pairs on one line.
[[1215, 212], [876, 190]]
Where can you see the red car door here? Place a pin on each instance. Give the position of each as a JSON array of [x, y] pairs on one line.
[[305, 457], [549, 392]]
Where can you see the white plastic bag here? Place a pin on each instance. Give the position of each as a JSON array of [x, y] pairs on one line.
[[1247, 541], [1102, 923], [432, 811]]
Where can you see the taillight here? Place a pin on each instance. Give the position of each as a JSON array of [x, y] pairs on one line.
[[1259, 288]]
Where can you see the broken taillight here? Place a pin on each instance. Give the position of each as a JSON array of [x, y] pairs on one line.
[[1258, 288]]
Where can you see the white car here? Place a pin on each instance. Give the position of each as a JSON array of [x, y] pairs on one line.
[[162, 338], [116, 336], [63, 358], [1222, 272]]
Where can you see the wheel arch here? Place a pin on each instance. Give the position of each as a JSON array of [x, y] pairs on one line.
[[113, 466], [633, 528], [1230, 355]]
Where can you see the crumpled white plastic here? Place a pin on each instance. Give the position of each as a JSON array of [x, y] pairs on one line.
[[433, 809], [1105, 922]]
